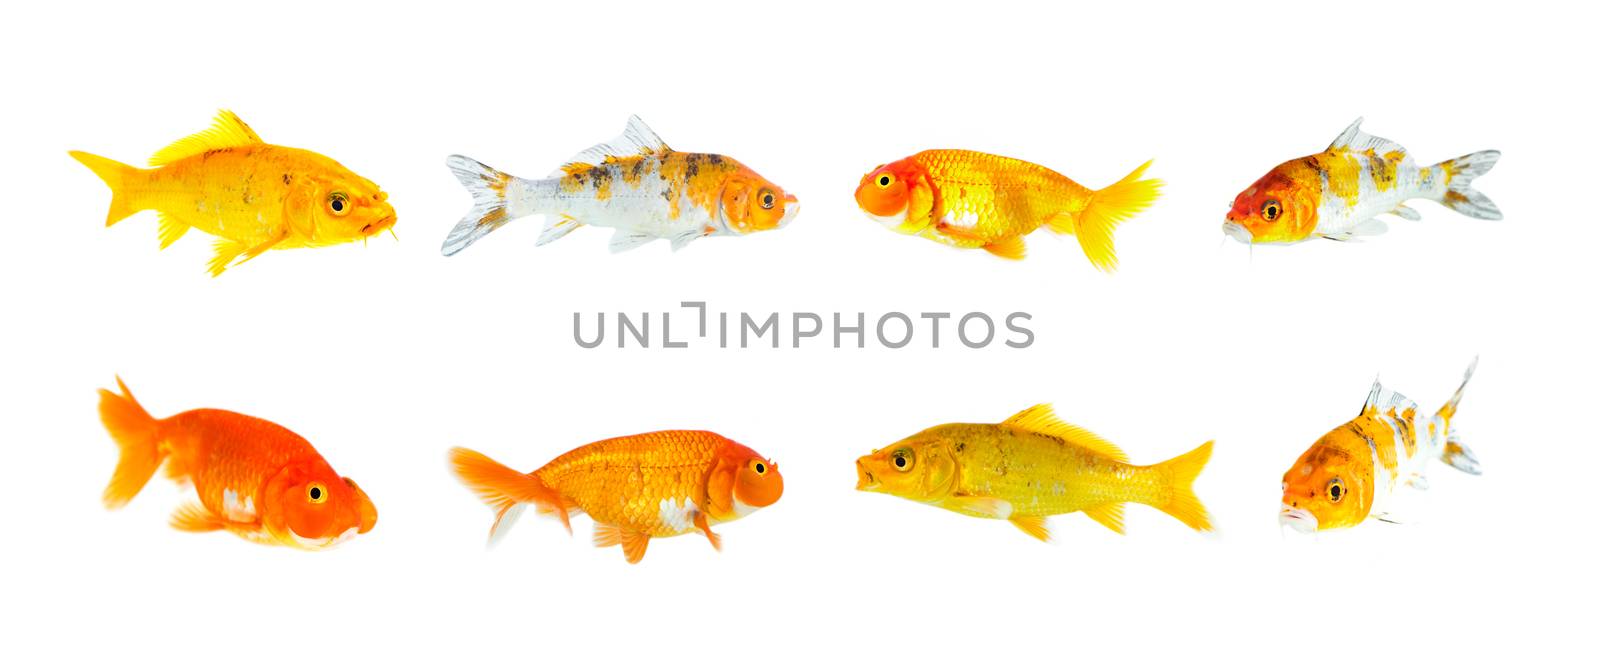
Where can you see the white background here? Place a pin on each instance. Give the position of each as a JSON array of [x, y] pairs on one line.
[[384, 356]]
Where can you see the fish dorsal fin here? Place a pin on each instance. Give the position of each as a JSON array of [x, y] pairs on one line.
[[226, 131], [1381, 400], [636, 140], [1354, 139], [1042, 420]]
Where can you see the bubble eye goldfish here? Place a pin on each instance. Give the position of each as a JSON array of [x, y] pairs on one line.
[[254, 478], [1339, 193], [1351, 473], [253, 196]]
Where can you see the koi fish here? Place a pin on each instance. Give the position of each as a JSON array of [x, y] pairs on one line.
[[1339, 193], [251, 195], [1353, 472], [255, 479], [1028, 468], [635, 184], [968, 199], [660, 484]]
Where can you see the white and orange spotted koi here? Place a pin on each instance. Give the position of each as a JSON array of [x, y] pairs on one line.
[[635, 184], [1339, 193], [1353, 472]]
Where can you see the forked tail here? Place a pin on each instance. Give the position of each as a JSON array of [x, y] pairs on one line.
[[1096, 225], [506, 490], [490, 207], [1456, 454], [1181, 501], [1459, 194], [137, 435], [116, 176]]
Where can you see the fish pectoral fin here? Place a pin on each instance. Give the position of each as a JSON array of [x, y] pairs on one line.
[[633, 545], [1369, 228], [606, 535], [1035, 527], [703, 522], [194, 518], [986, 507], [1406, 213], [1108, 515], [625, 240], [171, 229], [557, 227], [1010, 248]]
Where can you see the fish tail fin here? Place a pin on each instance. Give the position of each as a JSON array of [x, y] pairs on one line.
[[1096, 225], [490, 206], [1459, 194], [116, 176], [1181, 501], [1456, 454], [506, 490], [137, 434]]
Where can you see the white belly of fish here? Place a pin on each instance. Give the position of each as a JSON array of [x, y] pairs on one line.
[[644, 209]]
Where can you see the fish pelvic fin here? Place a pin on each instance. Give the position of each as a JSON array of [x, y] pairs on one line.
[[491, 208], [1181, 501], [1096, 225], [506, 490], [138, 435], [117, 176], [1459, 194], [1456, 454]]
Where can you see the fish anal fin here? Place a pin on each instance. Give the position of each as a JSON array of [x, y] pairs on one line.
[[557, 227], [1010, 248], [1034, 526], [1041, 419], [633, 545], [171, 229], [606, 534], [627, 240], [1406, 213], [1108, 515], [194, 518], [227, 131]]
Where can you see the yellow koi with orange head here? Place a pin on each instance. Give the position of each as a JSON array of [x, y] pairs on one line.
[[1351, 474], [253, 196]]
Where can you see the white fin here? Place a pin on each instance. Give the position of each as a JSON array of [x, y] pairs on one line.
[[1381, 399], [685, 238], [1406, 213], [556, 227], [490, 209], [502, 524], [1339, 236], [1368, 228], [1356, 140], [1460, 195], [627, 240], [1417, 481], [636, 139]]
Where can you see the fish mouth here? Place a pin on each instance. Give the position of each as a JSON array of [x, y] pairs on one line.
[[791, 209], [1237, 232], [379, 225], [1299, 519], [865, 481]]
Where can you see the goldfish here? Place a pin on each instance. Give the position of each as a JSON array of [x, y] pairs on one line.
[[254, 478], [635, 488], [1339, 193], [634, 184], [1354, 472], [253, 196], [968, 199], [1028, 468]]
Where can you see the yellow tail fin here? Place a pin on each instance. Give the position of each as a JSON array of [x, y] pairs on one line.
[[137, 434], [506, 490], [116, 175], [1096, 225], [1181, 500]]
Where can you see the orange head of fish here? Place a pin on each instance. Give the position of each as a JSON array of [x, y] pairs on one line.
[[308, 505], [898, 195], [750, 203], [329, 204], [919, 468], [742, 481], [1329, 487], [1281, 207]]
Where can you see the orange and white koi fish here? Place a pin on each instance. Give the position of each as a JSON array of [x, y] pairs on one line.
[[1352, 473], [659, 484], [968, 199], [1339, 193], [255, 479], [251, 195], [635, 184]]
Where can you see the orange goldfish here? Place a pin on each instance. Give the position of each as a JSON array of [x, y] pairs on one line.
[[634, 184], [251, 195], [968, 199], [1339, 193], [1353, 473], [659, 484], [1030, 467], [255, 479]]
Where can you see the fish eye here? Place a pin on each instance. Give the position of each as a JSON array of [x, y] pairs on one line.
[[339, 203], [767, 199], [902, 460], [1336, 489], [316, 493], [884, 180], [758, 467], [1271, 210]]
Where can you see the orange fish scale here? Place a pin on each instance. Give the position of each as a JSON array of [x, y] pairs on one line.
[[221, 450], [1010, 197], [623, 481]]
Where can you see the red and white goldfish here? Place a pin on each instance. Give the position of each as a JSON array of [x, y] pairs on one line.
[[1353, 472], [968, 199], [635, 184], [637, 487], [1028, 468], [255, 479], [251, 195], [1339, 193]]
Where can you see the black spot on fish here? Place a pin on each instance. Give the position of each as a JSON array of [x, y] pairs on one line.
[[716, 159], [287, 178], [692, 165], [638, 169]]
